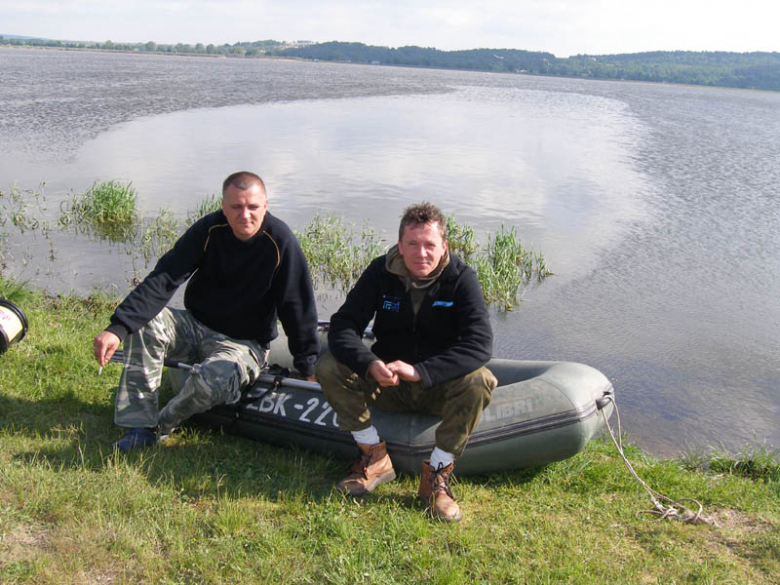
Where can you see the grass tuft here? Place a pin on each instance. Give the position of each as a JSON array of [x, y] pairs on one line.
[[108, 203], [207, 205], [758, 463], [159, 235], [336, 252], [108, 207], [16, 292]]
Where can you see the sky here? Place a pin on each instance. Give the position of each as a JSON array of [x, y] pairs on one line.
[[561, 27]]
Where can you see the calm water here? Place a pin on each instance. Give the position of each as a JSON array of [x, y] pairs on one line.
[[657, 207]]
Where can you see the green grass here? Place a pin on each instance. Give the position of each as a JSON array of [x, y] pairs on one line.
[[108, 209], [206, 205], [506, 267], [336, 252], [159, 235], [208, 508], [21, 208], [461, 240]]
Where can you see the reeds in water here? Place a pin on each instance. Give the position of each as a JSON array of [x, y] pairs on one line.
[[108, 207], [336, 252]]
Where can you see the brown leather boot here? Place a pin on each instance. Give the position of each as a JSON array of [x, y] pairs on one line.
[[372, 469], [435, 492]]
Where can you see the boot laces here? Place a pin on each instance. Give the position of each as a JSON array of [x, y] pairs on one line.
[[440, 482]]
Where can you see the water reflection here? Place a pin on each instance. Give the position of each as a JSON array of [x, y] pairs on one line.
[[558, 170]]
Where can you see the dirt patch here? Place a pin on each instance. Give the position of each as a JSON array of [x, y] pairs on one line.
[[21, 543], [743, 523]]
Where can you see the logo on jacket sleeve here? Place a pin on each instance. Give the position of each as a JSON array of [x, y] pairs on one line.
[[392, 304]]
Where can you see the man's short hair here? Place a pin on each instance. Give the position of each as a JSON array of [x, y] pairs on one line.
[[421, 214], [242, 180]]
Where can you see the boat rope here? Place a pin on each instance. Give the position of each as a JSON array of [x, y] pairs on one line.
[[672, 509]]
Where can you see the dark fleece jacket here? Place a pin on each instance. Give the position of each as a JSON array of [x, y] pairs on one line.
[[449, 336], [236, 287]]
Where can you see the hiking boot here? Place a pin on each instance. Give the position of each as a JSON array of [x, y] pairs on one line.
[[372, 469], [135, 439], [435, 492]]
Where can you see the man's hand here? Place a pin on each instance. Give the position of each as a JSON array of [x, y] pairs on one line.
[[404, 371], [383, 375], [311, 379], [106, 344]]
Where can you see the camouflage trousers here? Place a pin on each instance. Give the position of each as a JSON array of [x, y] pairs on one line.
[[225, 366], [459, 402]]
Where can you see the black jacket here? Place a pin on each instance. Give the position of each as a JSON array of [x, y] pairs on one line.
[[450, 336], [236, 287]]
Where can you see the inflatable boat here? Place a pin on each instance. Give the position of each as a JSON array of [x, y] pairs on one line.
[[540, 412]]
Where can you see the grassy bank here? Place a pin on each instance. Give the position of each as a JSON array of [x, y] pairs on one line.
[[205, 508]]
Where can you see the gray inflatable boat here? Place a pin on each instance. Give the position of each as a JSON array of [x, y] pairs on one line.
[[540, 412]]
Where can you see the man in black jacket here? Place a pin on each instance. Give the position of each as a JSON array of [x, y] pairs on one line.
[[245, 268], [433, 339]]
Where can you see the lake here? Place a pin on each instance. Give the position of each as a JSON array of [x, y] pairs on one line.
[[656, 206]]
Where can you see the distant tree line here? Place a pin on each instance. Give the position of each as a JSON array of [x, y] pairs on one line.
[[241, 49], [740, 70], [714, 68]]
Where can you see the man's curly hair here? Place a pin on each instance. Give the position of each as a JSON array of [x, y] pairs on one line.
[[421, 214]]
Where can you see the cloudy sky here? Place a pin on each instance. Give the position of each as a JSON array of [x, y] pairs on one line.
[[563, 27]]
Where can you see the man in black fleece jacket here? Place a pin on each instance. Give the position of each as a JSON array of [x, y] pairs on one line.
[[433, 339], [245, 268]]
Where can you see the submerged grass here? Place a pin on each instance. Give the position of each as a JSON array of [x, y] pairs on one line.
[[206, 205], [209, 508], [21, 208], [337, 251], [159, 235], [506, 266], [109, 207]]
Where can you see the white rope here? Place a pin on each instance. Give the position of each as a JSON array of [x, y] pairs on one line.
[[675, 510]]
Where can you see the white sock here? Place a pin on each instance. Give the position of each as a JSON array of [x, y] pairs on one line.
[[367, 436], [441, 459]]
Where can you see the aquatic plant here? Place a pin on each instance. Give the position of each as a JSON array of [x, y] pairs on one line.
[[109, 207], [461, 240], [336, 253], [208, 204], [506, 266], [159, 235], [19, 207]]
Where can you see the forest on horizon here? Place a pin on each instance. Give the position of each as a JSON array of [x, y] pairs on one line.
[[756, 70]]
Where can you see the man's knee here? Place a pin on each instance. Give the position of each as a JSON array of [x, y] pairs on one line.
[[476, 386], [331, 373], [206, 392]]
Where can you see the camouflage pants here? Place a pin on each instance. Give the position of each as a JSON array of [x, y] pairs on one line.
[[459, 402], [226, 366]]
